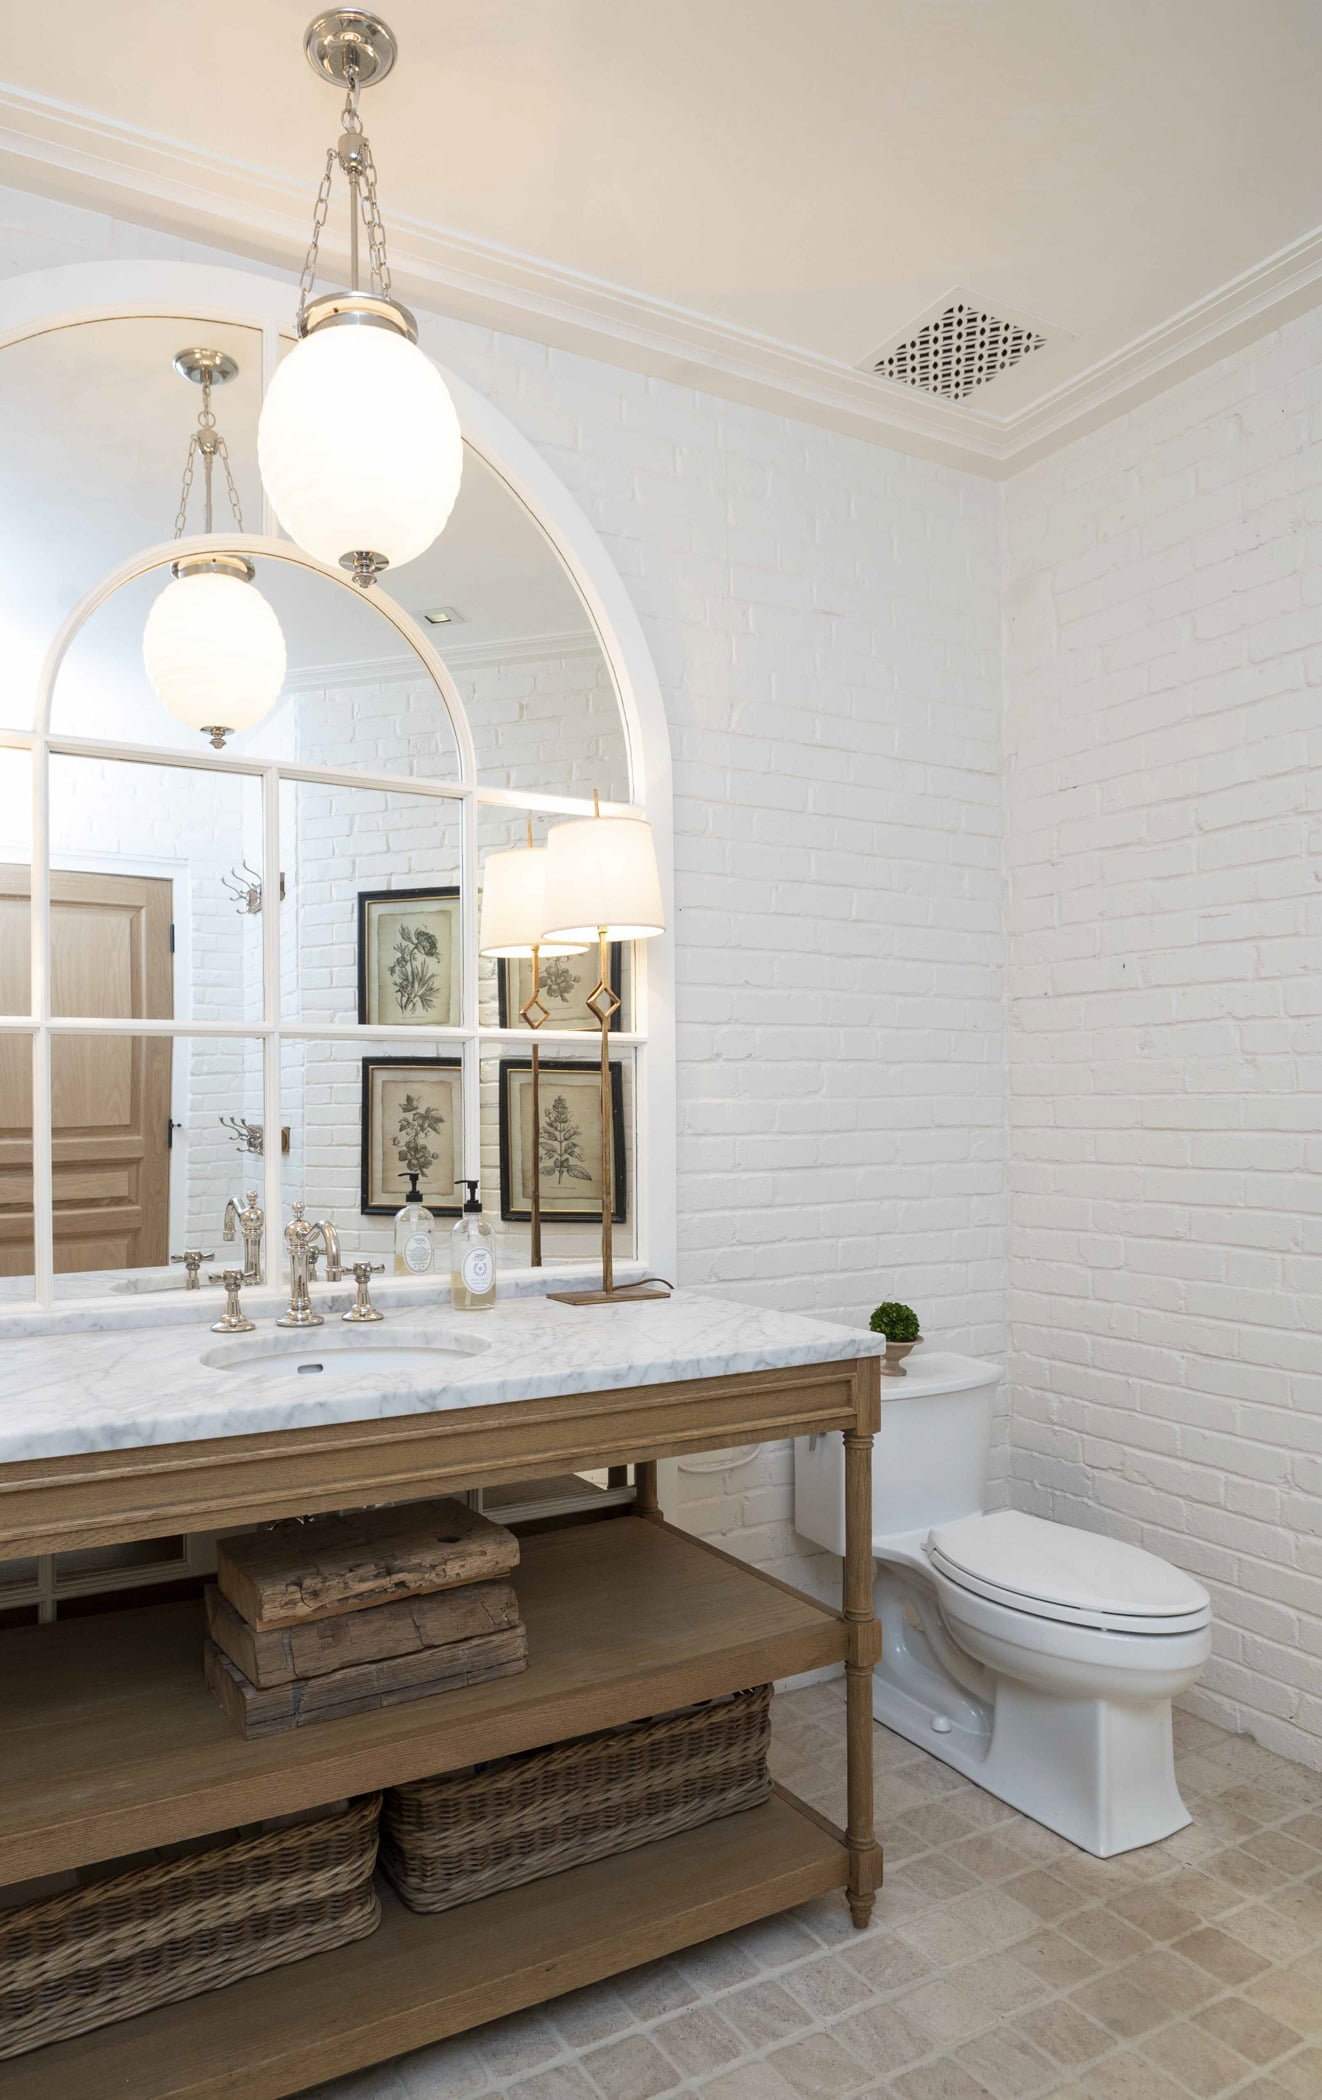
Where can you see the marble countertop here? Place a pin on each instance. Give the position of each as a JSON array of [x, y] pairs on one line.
[[125, 1387]]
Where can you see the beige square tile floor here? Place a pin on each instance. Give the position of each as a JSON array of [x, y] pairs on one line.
[[1002, 1964]]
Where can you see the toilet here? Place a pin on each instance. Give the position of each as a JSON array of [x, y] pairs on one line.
[[1037, 1659]]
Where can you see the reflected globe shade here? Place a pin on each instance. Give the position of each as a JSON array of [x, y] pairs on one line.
[[214, 652]]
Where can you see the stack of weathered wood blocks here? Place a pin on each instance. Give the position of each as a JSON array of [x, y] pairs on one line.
[[334, 1615]]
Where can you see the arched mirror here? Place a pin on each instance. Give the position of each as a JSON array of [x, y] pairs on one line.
[[257, 966]]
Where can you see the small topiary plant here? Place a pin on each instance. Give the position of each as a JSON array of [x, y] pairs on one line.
[[899, 1323]]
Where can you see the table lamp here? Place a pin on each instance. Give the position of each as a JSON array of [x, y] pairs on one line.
[[513, 915], [602, 882]]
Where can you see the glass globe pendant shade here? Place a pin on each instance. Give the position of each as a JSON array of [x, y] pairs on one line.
[[213, 647], [359, 444]]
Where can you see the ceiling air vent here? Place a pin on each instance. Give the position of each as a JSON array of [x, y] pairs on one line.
[[958, 346]]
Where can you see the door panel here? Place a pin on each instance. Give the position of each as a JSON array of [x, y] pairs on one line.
[[15, 949], [110, 1095], [16, 1256]]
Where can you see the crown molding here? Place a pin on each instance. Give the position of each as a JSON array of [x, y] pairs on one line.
[[1259, 299], [112, 168], [401, 667], [367, 670], [523, 649]]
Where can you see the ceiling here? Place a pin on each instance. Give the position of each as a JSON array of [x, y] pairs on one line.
[[750, 197]]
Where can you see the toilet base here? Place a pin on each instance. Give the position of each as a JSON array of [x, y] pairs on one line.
[[1100, 1772]]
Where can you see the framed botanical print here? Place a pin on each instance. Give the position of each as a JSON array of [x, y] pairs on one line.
[[412, 1123], [566, 981], [409, 958], [571, 1141]]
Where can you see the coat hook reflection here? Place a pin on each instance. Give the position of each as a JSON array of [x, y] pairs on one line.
[[248, 1136], [245, 886]]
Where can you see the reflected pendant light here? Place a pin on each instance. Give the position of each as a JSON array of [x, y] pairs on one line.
[[359, 445], [212, 645]]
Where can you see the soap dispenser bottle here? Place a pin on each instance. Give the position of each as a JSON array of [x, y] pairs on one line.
[[415, 1235], [472, 1258]]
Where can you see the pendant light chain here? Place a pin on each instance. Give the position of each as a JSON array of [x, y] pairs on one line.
[[359, 443], [319, 211], [353, 153], [207, 444]]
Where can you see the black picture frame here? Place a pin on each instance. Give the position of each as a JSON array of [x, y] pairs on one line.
[[515, 1214], [388, 1208], [510, 1003], [431, 893]]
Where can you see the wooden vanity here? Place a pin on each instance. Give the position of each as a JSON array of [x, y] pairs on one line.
[[109, 1741]]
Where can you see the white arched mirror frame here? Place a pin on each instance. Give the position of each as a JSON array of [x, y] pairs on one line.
[[90, 292]]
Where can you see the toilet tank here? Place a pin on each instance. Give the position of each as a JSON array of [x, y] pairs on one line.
[[929, 1464]]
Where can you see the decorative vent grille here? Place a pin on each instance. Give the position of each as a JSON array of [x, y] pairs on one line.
[[959, 349]]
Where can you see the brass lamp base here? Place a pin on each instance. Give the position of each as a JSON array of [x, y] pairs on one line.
[[616, 1293]]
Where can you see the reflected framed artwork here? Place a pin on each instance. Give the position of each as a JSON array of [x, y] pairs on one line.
[[571, 1141], [566, 981], [412, 1123], [409, 958]]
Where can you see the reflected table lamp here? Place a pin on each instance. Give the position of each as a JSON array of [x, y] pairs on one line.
[[513, 915], [602, 883]]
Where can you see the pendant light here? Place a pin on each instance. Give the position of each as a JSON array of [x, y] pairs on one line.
[[212, 645], [359, 445]]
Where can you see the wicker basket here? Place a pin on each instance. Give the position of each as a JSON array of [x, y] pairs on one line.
[[449, 1840], [168, 1931]]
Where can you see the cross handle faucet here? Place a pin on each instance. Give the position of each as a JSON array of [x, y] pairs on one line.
[[192, 1259], [234, 1319], [362, 1311]]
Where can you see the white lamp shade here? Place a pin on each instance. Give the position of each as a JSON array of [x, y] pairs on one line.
[[359, 445], [514, 905], [601, 874], [214, 652]]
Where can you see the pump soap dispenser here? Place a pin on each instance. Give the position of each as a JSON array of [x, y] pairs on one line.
[[415, 1244], [472, 1258]]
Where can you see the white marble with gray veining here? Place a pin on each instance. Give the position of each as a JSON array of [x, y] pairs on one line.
[[127, 1387]]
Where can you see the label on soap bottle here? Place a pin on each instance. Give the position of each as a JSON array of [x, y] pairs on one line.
[[478, 1270], [418, 1253]]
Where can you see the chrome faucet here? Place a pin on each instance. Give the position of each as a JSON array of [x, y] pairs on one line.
[[249, 1221], [299, 1235]]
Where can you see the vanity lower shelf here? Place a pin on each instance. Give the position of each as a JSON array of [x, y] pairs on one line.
[[113, 1743], [418, 1979]]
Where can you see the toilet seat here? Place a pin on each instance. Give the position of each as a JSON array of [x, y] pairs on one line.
[[1055, 1571]]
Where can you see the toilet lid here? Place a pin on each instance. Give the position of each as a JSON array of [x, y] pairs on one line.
[[1056, 1571]]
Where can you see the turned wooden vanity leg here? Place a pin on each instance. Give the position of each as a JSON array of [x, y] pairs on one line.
[[644, 1488], [864, 1649]]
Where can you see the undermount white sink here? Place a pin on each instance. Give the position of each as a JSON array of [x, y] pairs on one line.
[[314, 1357]]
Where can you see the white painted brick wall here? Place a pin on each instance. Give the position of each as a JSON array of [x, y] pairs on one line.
[[1164, 653], [825, 620]]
